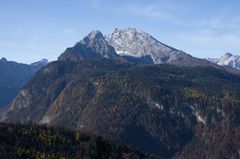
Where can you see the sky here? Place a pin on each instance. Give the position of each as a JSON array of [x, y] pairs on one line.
[[34, 29]]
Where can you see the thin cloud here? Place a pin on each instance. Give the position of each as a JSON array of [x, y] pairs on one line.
[[95, 3], [148, 11], [224, 23], [212, 23]]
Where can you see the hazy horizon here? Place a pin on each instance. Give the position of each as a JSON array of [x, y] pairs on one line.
[[44, 29]]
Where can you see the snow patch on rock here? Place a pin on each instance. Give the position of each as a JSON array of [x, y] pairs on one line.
[[198, 116], [45, 120], [154, 104]]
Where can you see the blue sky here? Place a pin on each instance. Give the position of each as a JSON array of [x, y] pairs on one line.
[[35, 29]]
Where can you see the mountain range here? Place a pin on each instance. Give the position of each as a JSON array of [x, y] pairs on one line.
[[132, 88], [134, 46], [13, 76]]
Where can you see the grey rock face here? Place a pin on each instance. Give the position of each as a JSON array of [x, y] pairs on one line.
[[96, 42], [131, 42], [93, 46]]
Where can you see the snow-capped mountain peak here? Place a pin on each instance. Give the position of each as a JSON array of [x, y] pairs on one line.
[[228, 59], [44, 61], [41, 62], [3, 59], [137, 43]]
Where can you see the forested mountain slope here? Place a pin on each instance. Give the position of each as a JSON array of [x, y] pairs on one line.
[[162, 109], [32, 141]]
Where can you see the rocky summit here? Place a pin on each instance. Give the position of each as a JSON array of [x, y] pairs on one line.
[[131, 42], [93, 46]]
